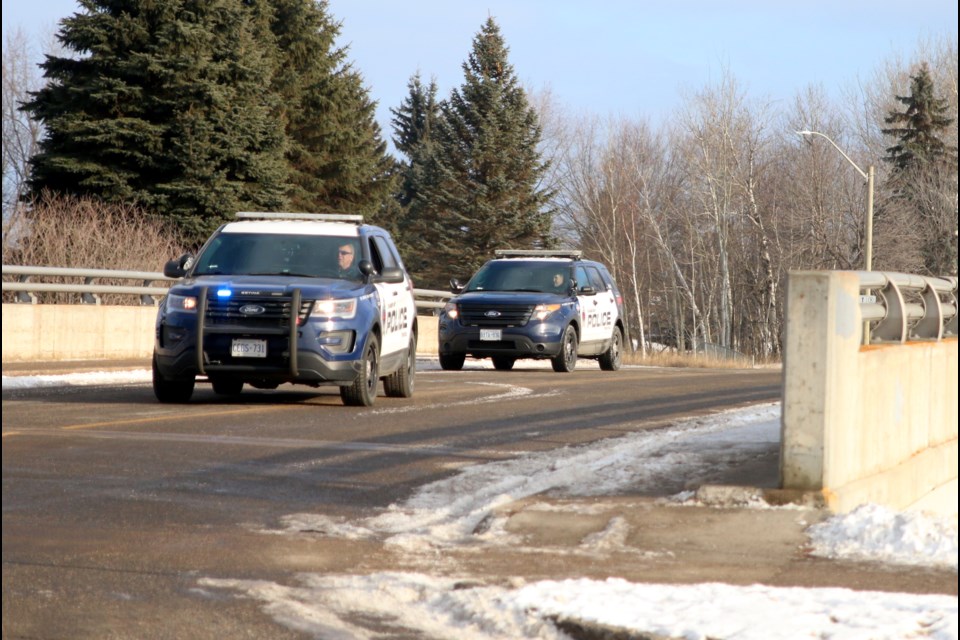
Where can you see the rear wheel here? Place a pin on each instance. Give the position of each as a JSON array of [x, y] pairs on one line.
[[363, 391], [226, 386], [399, 384], [566, 360], [611, 358], [503, 363], [452, 361], [172, 391]]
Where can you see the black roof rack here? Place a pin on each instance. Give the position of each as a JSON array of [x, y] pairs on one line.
[[572, 254], [319, 217]]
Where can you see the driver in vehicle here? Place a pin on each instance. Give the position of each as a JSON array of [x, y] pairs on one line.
[[346, 267]]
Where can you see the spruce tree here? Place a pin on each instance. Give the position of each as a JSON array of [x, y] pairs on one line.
[[483, 173], [162, 104], [919, 127], [337, 156], [923, 182], [413, 124]]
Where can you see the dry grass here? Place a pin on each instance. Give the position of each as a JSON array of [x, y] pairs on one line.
[[693, 360], [58, 231]]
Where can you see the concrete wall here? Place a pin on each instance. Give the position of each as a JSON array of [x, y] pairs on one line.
[[40, 332], [874, 424]]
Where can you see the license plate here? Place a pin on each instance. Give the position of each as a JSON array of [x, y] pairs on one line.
[[491, 334], [246, 348]]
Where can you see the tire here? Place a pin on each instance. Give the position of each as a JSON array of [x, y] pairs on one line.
[[399, 384], [611, 358], [452, 361], [171, 391], [503, 363], [566, 360], [363, 391], [226, 386]]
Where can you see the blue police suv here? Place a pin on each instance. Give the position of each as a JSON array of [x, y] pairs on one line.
[[534, 304], [273, 298]]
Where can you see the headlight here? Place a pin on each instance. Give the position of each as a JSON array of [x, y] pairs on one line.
[[451, 311], [345, 309], [543, 311], [181, 303]]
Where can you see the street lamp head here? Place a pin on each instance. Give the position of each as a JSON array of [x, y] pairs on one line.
[[804, 133]]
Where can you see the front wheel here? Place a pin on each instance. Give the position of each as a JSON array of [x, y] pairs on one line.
[[171, 391], [611, 358], [452, 361], [399, 384], [566, 360], [363, 391]]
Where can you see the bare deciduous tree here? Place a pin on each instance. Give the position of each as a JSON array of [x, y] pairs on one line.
[[86, 233], [21, 134]]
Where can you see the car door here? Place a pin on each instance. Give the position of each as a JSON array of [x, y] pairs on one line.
[[396, 303], [598, 309]]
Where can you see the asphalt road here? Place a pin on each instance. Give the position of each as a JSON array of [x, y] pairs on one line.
[[114, 506]]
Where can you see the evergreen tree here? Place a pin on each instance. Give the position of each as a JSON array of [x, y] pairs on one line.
[[413, 124], [337, 156], [483, 173], [162, 105], [923, 182], [919, 126]]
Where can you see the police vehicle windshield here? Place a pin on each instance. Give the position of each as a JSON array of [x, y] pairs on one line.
[[522, 275], [310, 256]]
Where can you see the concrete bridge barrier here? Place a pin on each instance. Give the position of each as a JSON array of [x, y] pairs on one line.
[[864, 424], [41, 332]]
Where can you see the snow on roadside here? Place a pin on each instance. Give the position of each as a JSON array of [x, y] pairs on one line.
[[876, 533], [85, 379], [336, 607]]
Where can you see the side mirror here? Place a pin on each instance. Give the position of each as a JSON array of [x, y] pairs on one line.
[[391, 276], [178, 268], [366, 267], [456, 286]]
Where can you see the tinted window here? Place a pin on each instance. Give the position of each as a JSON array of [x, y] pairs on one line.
[[519, 275], [271, 254]]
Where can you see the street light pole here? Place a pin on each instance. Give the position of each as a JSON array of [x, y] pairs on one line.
[[868, 176]]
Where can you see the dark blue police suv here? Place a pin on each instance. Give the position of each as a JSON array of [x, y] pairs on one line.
[[534, 304], [274, 298]]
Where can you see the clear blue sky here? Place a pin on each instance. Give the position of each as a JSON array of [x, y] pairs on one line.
[[615, 57]]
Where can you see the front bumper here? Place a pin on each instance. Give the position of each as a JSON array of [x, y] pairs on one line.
[[535, 340]]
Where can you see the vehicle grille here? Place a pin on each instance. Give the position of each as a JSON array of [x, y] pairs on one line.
[[481, 315], [225, 312]]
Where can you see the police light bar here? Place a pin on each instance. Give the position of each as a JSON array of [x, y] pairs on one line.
[[572, 254], [277, 215]]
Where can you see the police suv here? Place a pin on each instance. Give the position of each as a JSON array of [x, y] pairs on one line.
[[534, 304], [311, 299]]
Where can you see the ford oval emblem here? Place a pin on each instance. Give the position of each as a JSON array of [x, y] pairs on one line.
[[251, 309], [493, 313]]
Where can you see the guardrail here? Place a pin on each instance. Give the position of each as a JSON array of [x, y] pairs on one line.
[[901, 307], [898, 307], [148, 293]]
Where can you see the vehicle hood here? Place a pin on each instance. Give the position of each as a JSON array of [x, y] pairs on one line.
[[509, 297], [266, 285]]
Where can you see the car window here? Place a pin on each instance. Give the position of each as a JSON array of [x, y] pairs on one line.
[[595, 280], [519, 275], [387, 259], [270, 254]]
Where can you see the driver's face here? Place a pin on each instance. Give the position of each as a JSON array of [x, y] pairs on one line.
[[558, 280], [345, 256]]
